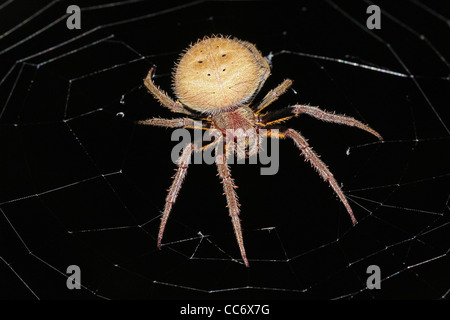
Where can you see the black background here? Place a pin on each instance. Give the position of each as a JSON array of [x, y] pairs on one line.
[[81, 184]]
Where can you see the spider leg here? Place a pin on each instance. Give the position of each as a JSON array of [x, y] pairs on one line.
[[331, 117], [275, 117], [232, 201], [162, 97], [175, 123], [183, 163], [318, 164], [273, 95]]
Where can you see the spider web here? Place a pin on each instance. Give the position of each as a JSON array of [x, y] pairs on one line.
[[81, 184]]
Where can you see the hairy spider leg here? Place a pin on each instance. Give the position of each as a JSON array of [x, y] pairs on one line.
[[187, 123], [273, 95], [183, 163], [332, 117], [178, 178], [327, 117], [232, 201], [162, 97], [315, 161]]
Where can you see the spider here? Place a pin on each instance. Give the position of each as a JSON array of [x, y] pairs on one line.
[[215, 81]]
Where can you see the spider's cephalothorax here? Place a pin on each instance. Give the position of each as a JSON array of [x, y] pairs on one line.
[[215, 81]]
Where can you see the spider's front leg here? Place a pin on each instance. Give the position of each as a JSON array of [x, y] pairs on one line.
[[319, 165], [232, 200], [183, 163]]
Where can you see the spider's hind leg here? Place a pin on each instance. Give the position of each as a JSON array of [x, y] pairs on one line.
[[161, 96], [273, 95]]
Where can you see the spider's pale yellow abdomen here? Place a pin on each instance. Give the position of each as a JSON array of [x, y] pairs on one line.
[[218, 73]]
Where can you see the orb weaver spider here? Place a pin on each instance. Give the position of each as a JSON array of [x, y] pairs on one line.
[[216, 81]]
